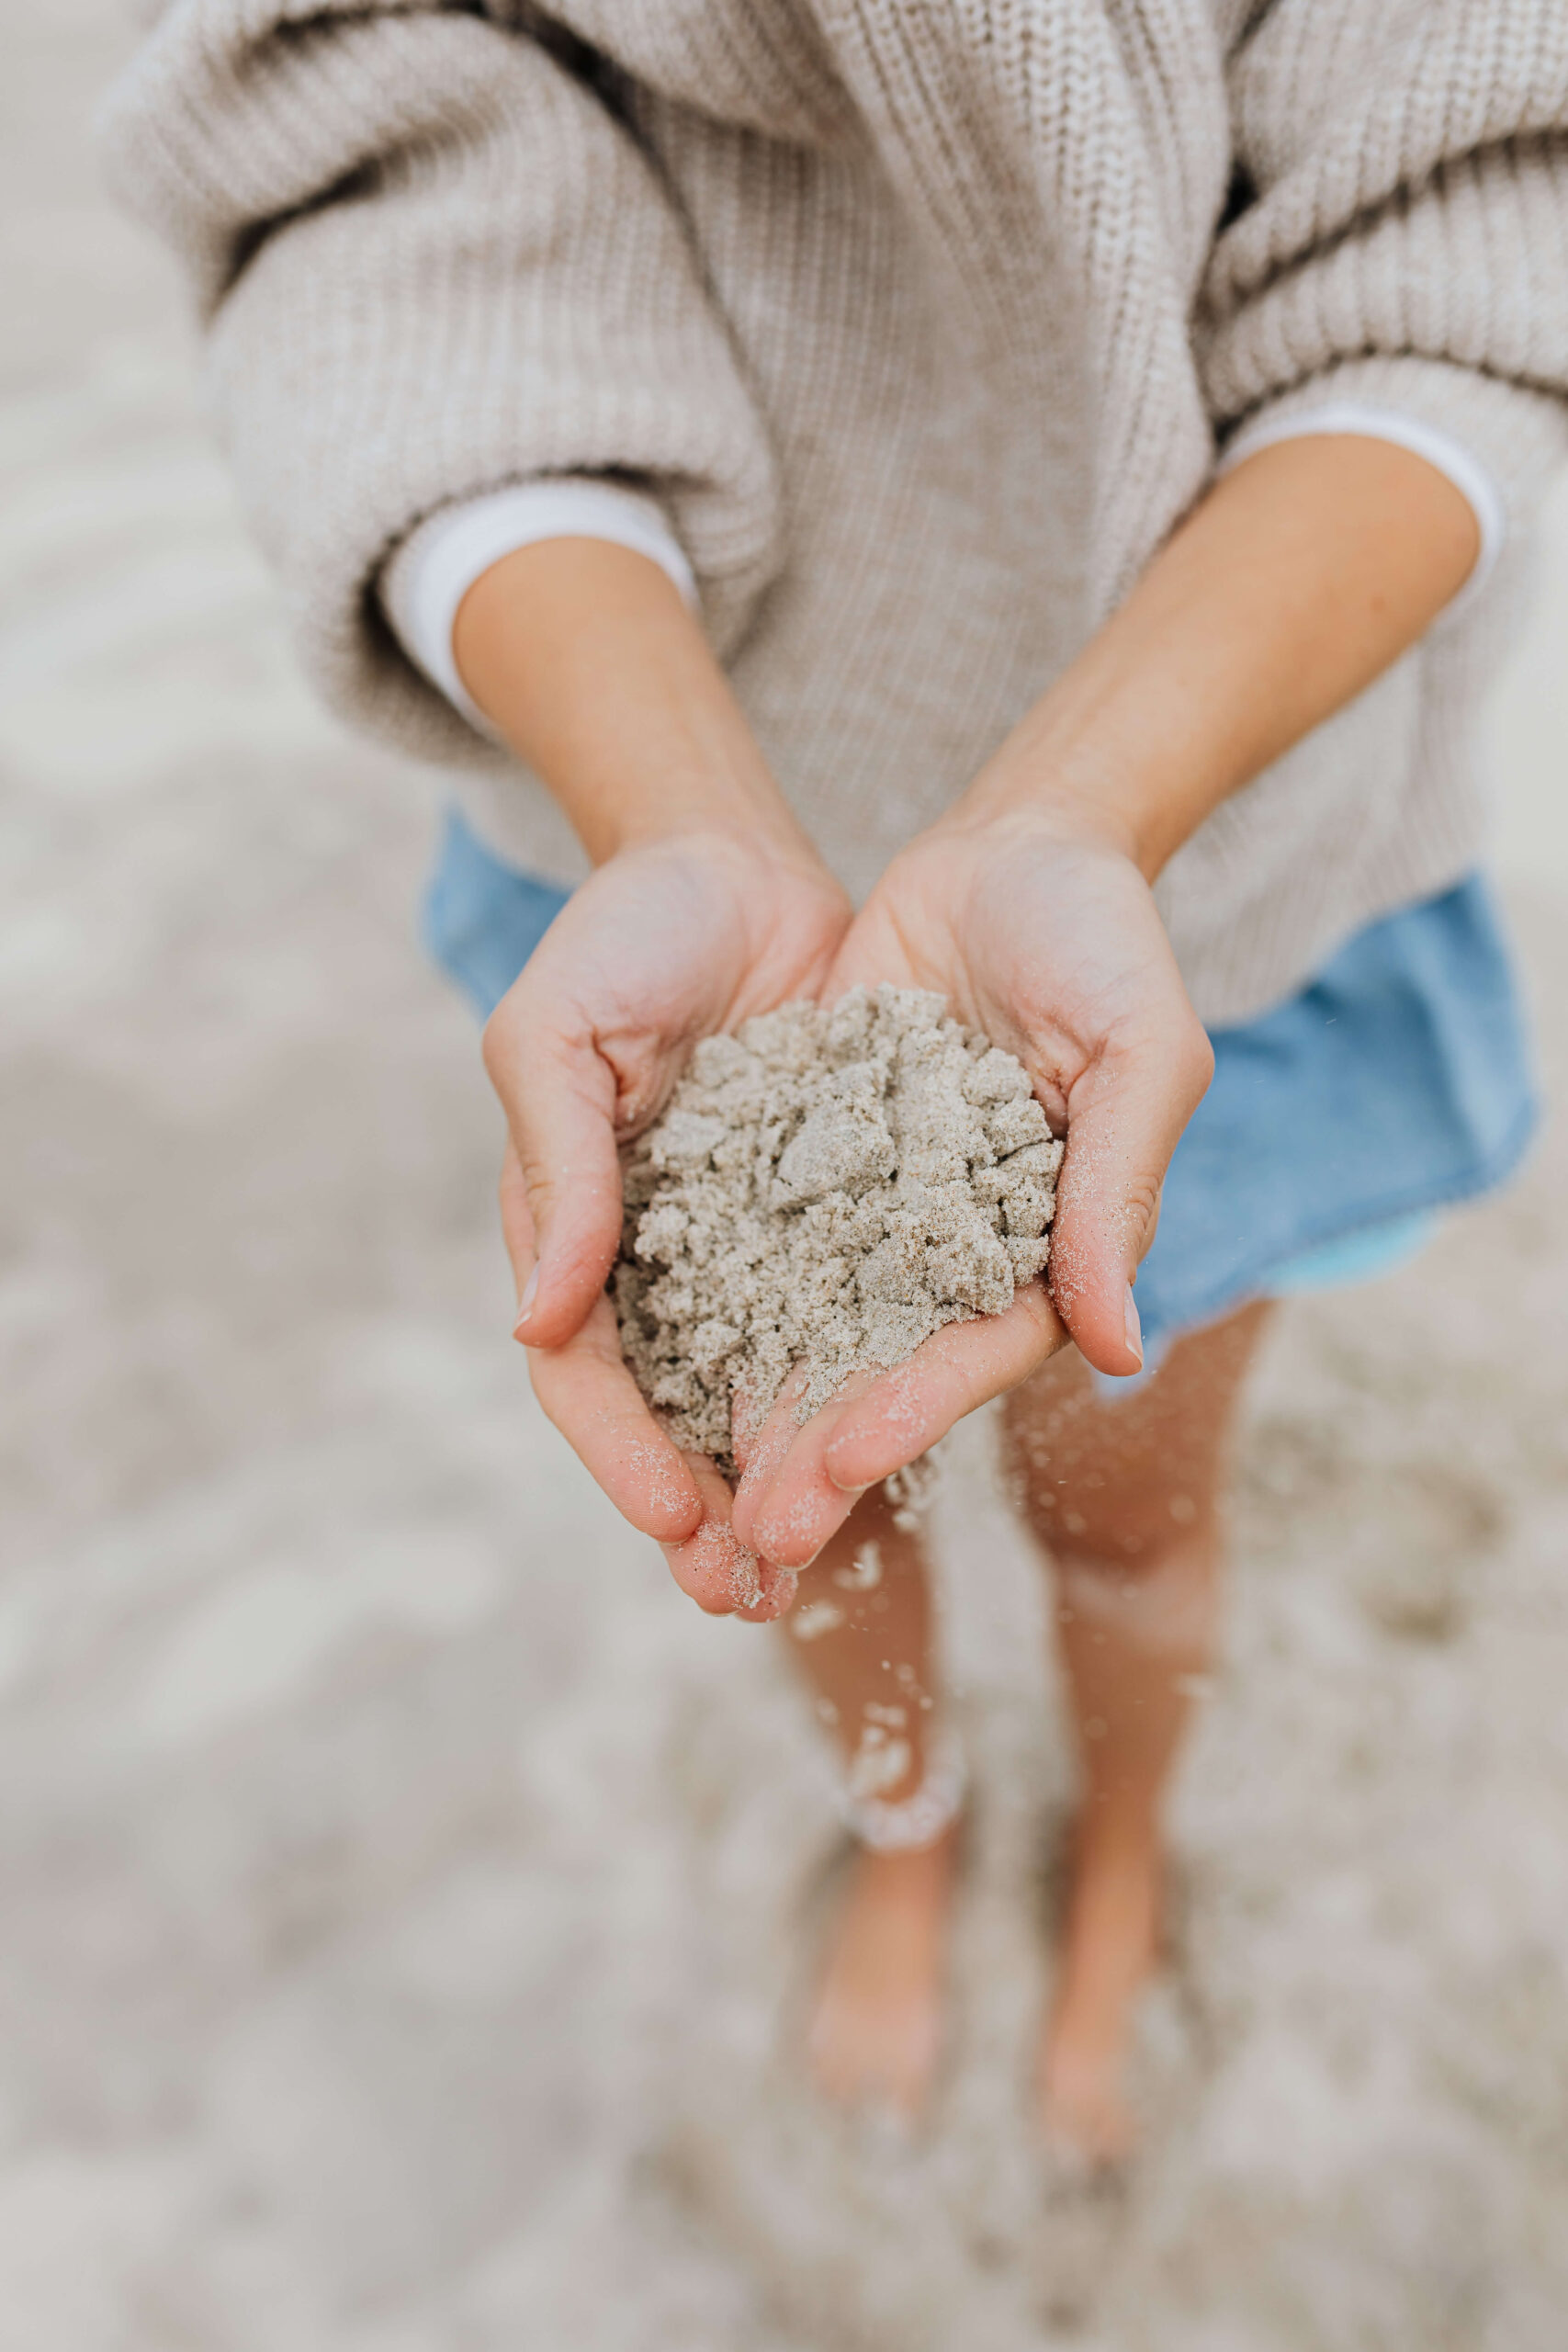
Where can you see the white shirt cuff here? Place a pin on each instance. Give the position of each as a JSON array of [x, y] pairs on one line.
[[1451, 458], [428, 577]]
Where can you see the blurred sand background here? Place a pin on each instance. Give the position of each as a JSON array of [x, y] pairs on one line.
[[398, 1879]]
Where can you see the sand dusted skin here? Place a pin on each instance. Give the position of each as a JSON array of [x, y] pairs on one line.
[[826, 1188]]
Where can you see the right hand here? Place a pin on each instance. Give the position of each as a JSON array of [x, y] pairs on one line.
[[670, 941], [1038, 929]]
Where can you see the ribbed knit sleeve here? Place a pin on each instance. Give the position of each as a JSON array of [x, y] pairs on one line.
[[432, 261], [1400, 223]]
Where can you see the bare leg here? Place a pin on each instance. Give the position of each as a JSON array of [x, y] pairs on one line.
[[1128, 1496], [860, 1634]]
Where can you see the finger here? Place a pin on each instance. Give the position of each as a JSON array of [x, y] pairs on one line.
[[516, 1220], [587, 1391], [801, 1493], [1125, 1115], [779, 1587], [559, 1099], [957, 1370], [786, 1506], [759, 1444], [722, 1575], [761, 1451]]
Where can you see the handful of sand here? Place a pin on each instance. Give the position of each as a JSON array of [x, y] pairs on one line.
[[827, 1188]]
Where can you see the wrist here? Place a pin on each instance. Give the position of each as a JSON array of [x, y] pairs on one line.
[[585, 657], [753, 859], [1050, 800], [1107, 759], [1288, 589], [727, 812]]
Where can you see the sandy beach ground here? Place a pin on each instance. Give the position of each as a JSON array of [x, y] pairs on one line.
[[401, 1886]]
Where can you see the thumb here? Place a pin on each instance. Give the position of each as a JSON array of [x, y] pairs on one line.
[[558, 1096], [1125, 1115]]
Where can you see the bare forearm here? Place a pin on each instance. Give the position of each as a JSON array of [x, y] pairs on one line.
[[585, 657], [1298, 579]]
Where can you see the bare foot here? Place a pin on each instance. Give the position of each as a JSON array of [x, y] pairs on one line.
[[1108, 1949], [876, 2029]]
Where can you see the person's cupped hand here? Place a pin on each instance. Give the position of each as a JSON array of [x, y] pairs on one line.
[[1040, 930], [668, 941]]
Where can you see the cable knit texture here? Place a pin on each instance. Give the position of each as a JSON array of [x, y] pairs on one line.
[[923, 319]]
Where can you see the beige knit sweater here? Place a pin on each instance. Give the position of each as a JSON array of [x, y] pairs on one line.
[[923, 318]]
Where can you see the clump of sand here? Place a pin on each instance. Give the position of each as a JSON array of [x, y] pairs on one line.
[[826, 1188]]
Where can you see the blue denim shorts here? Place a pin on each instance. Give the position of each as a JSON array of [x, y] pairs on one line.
[[1394, 1085]]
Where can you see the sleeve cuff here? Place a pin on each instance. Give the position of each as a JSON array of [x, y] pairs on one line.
[[1515, 436], [427, 578], [1440, 449]]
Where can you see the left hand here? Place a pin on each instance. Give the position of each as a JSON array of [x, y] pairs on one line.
[[668, 941], [1038, 928], [1295, 580]]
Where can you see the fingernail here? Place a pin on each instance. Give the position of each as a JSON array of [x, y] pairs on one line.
[[854, 1493], [1135, 1328], [767, 1544], [526, 1304]]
